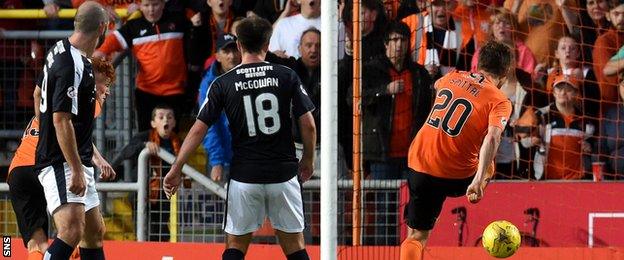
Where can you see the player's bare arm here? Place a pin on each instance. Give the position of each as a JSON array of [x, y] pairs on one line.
[[193, 139], [486, 157], [106, 170], [67, 141], [308, 136]]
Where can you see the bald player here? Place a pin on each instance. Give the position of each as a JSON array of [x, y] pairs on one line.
[[65, 147], [450, 155]]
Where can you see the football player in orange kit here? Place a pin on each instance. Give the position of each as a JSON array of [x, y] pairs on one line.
[[452, 152]]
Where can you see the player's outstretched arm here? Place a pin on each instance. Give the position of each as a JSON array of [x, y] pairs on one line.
[[486, 157], [67, 141], [308, 136], [192, 140]]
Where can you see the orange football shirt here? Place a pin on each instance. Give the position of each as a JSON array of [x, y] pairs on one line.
[[448, 144], [25, 153]]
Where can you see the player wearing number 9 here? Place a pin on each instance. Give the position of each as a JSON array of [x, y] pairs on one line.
[[453, 152], [258, 99]]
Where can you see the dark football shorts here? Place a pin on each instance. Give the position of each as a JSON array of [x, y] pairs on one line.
[[29, 202], [427, 194]]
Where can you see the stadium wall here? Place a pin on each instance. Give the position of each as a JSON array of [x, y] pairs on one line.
[[564, 213]]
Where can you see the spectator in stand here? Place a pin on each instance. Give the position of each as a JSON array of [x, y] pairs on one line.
[[218, 141], [372, 27], [209, 26], [273, 10], [504, 27], [605, 47], [512, 159], [585, 24], [308, 68], [561, 132], [437, 41], [396, 100], [569, 63], [474, 16], [540, 26], [131, 7], [287, 31], [160, 135], [612, 140], [51, 8], [374, 21], [156, 40]]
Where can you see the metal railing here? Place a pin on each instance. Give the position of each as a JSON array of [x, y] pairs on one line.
[[197, 213], [7, 215]]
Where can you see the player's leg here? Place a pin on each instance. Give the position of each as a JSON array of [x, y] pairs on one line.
[[69, 220], [292, 244], [29, 205], [67, 209], [244, 213], [285, 209], [236, 246], [91, 245], [422, 210]]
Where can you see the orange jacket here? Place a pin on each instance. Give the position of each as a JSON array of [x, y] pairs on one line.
[[159, 50]]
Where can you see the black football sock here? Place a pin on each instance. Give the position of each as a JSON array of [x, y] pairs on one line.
[[233, 254], [299, 255]]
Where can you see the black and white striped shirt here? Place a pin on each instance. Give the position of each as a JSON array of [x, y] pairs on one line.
[[68, 85]]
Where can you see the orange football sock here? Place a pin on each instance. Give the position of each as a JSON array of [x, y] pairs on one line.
[[411, 249], [36, 255]]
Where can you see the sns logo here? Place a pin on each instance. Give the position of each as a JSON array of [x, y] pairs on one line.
[[72, 92], [6, 246]]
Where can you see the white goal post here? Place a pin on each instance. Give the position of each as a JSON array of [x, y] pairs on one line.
[[329, 129]]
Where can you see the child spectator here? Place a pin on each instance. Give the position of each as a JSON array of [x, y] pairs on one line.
[[585, 24], [561, 132], [160, 136], [156, 40], [569, 63]]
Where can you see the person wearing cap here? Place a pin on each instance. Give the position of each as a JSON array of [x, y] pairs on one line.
[[564, 136], [568, 54], [605, 47], [218, 142]]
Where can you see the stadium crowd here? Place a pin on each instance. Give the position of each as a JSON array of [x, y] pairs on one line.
[[566, 89]]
